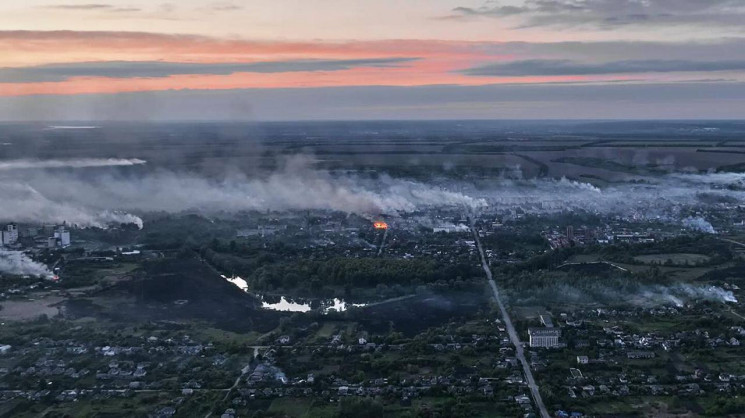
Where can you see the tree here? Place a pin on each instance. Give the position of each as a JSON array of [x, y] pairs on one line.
[[354, 407]]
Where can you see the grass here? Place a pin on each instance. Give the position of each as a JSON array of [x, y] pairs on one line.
[[678, 259], [291, 407], [138, 405], [584, 258], [658, 324], [631, 406], [723, 359], [227, 337], [326, 330], [678, 273]]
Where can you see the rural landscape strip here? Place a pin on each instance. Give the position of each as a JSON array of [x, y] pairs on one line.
[[514, 338]]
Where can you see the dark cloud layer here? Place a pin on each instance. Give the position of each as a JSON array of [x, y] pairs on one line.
[[613, 13], [157, 69], [569, 67]]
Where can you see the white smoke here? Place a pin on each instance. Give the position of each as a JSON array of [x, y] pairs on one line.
[[666, 198], [22, 203], [635, 294], [74, 163], [699, 224], [54, 127], [108, 217], [19, 264], [442, 225], [680, 293], [453, 227], [106, 199], [714, 293]]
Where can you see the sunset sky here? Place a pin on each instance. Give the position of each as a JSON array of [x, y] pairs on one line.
[[382, 59]]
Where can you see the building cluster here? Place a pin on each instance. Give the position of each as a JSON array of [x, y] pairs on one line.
[[598, 351], [572, 236], [46, 236], [121, 370]]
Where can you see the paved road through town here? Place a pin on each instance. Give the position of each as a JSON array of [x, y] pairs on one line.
[[514, 338]]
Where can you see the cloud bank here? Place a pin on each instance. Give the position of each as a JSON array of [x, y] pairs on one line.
[[699, 100], [570, 67], [159, 69], [613, 13]]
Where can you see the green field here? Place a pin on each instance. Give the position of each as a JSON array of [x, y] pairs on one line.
[[296, 408], [677, 259]]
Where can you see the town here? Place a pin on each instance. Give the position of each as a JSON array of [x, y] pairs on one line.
[[136, 319]]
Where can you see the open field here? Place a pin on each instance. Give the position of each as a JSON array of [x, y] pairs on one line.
[[678, 259], [292, 407], [23, 310], [606, 151]]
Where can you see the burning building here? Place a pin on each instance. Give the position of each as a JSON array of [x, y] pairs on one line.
[[380, 225]]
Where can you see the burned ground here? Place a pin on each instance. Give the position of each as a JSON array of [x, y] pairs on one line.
[[181, 288]]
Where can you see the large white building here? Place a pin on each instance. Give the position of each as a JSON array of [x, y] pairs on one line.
[[9, 234], [544, 337], [63, 236]]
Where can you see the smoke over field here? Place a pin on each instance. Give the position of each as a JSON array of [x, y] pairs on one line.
[[699, 224], [75, 163], [296, 186], [637, 294], [40, 196], [662, 197]]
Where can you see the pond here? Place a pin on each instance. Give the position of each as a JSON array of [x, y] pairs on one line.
[[286, 304], [305, 305]]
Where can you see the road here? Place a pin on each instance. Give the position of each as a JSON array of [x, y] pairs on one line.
[[244, 370], [736, 314], [391, 300], [514, 338], [731, 241]]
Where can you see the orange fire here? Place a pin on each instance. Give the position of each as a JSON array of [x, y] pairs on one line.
[[380, 225]]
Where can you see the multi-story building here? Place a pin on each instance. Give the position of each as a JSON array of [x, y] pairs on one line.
[[63, 236], [544, 337], [9, 234]]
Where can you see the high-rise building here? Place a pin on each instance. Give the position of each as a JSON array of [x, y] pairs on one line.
[[9, 234], [63, 236]]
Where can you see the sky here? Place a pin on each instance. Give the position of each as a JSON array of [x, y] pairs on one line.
[[383, 59]]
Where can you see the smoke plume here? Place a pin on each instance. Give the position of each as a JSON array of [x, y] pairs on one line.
[[19, 264], [680, 293], [22, 203], [37, 196], [110, 198], [699, 224], [75, 163], [645, 296]]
